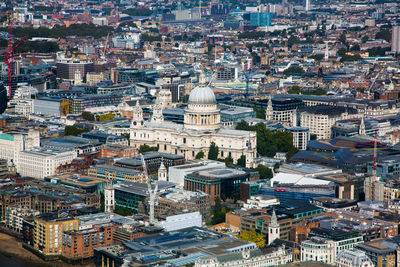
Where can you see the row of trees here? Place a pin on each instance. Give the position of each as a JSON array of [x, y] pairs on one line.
[[297, 90], [138, 12], [73, 130], [268, 142], [91, 117], [82, 30]]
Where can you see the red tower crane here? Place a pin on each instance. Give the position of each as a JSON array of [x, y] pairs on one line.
[[9, 54]]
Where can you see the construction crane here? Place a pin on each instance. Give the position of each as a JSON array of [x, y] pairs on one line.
[[152, 193], [375, 148], [247, 75], [9, 54], [103, 56]]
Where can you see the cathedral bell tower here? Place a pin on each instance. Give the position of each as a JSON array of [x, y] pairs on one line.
[[137, 118]]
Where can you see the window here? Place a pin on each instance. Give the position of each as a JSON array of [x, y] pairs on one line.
[[184, 140]]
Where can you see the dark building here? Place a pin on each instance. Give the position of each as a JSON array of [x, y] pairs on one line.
[[218, 183], [153, 161], [218, 9], [68, 69], [3, 98]]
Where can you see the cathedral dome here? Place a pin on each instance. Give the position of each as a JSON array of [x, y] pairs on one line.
[[202, 95]]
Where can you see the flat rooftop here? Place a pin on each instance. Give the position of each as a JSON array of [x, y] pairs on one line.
[[140, 188]]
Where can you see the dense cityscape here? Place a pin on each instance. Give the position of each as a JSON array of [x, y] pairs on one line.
[[200, 133]]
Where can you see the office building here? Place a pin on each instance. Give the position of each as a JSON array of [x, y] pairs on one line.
[[117, 174], [40, 163], [396, 39], [261, 19], [181, 221], [380, 252], [175, 201], [301, 136], [218, 183], [80, 103], [117, 89], [73, 69], [320, 119], [130, 194], [307, 5], [12, 143], [56, 107], [353, 258], [318, 249]]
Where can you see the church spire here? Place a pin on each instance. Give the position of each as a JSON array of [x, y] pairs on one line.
[[137, 115], [273, 228], [361, 130], [157, 112]]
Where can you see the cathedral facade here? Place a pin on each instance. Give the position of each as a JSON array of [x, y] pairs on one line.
[[201, 127]]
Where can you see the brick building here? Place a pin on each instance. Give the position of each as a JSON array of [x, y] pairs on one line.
[[79, 244], [118, 151]]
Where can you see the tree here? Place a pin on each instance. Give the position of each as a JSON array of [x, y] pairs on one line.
[[342, 38], [73, 130], [123, 211], [276, 166], [243, 125], [147, 148], [142, 12], [313, 137], [213, 151], [293, 40], [260, 113], [252, 237], [88, 116], [294, 90], [265, 172], [106, 117], [200, 155], [218, 213], [242, 161], [355, 48], [102, 202], [293, 70], [228, 160], [384, 34], [364, 39], [268, 142], [317, 57]]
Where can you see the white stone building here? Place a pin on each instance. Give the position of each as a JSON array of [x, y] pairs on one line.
[[109, 198], [181, 221], [320, 119], [201, 128], [12, 143], [40, 163], [353, 258], [318, 249], [247, 258], [260, 202]]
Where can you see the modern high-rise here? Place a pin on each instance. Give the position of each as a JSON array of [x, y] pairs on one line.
[[396, 39], [307, 5], [261, 19]]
